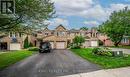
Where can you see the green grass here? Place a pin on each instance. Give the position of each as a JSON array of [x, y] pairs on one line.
[[104, 61], [11, 57], [125, 47]]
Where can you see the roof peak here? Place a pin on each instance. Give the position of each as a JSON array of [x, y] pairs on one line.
[[60, 26]]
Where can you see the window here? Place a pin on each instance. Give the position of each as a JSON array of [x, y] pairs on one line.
[[125, 40], [11, 34], [46, 34], [14, 34], [60, 33]]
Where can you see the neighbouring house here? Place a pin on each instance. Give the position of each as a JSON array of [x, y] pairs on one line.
[[104, 38], [15, 41], [107, 42], [61, 37], [125, 40]]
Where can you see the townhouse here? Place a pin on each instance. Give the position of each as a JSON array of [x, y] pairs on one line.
[[61, 37]]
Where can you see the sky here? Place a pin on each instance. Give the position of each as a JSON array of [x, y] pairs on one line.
[[84, 13]]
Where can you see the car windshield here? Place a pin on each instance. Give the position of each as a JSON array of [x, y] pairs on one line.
[[45, 45]]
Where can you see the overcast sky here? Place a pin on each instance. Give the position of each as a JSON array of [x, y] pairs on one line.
[[89, 13]]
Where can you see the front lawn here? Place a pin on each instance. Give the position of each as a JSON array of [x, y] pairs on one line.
[[104, 61], [12, 57]]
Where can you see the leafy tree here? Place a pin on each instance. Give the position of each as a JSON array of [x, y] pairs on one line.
[[78, 40], [117, 26], [95, 28], [83, 28], [31, 12]]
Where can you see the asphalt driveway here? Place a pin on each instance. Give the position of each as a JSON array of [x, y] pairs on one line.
[[57, 63]]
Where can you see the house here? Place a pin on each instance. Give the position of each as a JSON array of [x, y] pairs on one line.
[[15, 41], [107, 41], [125, 40], [61, 37]]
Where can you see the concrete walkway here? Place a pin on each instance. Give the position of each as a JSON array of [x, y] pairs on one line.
[[119, 72], [127, 51]]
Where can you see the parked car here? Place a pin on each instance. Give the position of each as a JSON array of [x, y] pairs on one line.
[[45, 47]]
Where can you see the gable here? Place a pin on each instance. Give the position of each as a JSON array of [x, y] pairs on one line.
[[46, 30], [60, 28]]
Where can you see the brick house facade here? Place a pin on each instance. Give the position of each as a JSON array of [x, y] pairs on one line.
[[61, 37]]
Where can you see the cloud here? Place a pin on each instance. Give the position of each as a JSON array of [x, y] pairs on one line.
[[86, 8], [72, 7], [91, 23], [117, 7], [95, 13]]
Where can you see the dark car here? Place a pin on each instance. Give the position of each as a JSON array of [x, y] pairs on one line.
[[45, 47]]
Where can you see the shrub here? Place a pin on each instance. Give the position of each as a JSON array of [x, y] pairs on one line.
[[26, 43], [77, 41], [100, 43], [74, 46], [96, 50], [33, 49], [102, 51]]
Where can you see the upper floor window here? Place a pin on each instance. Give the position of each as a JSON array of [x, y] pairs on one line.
[[82, 34], [46, 34], [60, 33], [12, 34]]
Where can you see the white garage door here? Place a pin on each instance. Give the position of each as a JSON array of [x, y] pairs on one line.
[[52, 45], [94, 43], [60, 45]]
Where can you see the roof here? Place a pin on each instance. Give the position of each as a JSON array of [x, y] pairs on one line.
[[60, 26], [74, 30], [46, 28]]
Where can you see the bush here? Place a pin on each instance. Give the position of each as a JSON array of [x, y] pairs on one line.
[[96, 50], [102, 51], [100, 43], [74, 46], [33, 49], [26, 43]]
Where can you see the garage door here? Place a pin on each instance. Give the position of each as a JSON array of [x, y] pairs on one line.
[[60, 45], [94, 43], [52, 45]]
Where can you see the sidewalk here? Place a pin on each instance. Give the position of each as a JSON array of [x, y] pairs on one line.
[[119, 72], [127, 51]]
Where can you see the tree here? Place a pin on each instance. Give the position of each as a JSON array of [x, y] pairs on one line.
[[78, 40], [117, 25], [26, 43], [83, 28], [31, 12]]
